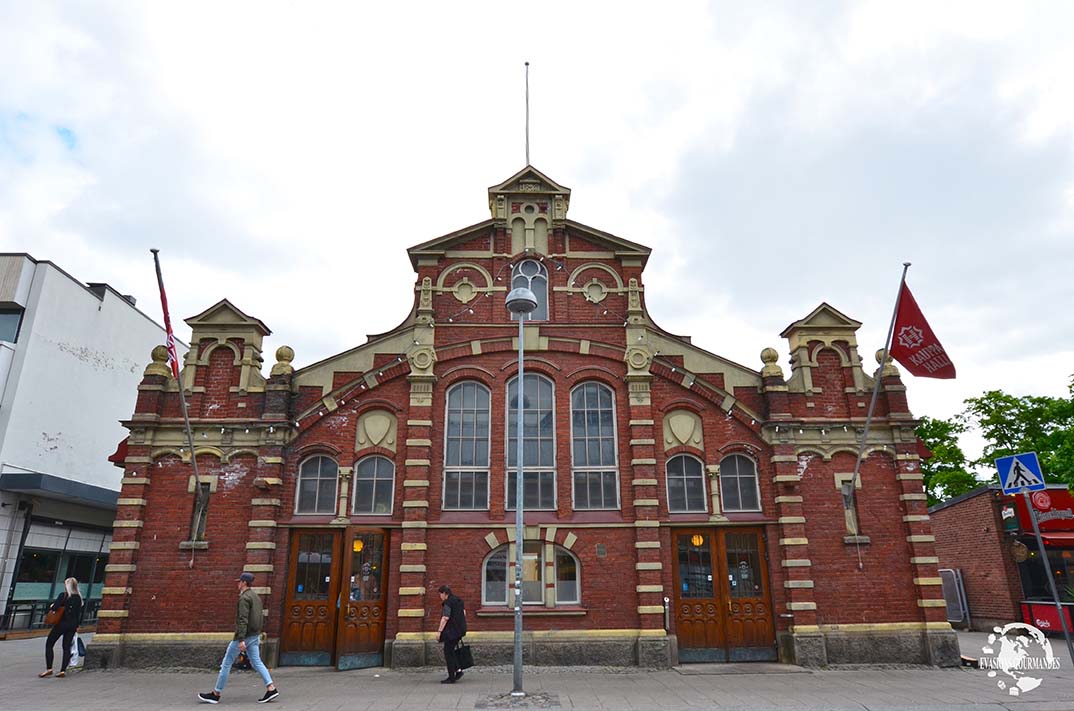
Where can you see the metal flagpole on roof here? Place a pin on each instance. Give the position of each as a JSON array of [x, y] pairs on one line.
[[527, 113], [850, 487]]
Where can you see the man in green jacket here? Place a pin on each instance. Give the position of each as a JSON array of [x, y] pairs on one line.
[[249, 621]]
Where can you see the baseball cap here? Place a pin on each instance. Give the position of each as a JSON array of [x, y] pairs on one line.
[[245, 577]]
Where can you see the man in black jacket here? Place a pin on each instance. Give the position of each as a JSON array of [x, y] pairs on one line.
[[452, 629]]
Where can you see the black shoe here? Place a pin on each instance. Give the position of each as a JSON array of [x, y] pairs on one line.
[[458, 675], [449, 680], [209, 697], [270, 694]]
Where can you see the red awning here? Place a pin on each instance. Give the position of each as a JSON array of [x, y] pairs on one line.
[[119, 457], [1059, 538]]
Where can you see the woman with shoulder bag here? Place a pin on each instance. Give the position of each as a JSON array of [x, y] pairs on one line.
[[66, 612]]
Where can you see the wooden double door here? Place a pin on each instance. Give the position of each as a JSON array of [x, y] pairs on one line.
[[723, 609], [334, 609]]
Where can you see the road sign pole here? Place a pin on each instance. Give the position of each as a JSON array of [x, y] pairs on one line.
[[1048, 571]]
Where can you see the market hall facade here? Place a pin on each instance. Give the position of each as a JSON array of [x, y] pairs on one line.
[[678, 506]]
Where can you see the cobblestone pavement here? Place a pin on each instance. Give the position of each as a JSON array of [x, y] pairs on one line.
[[754, 687]]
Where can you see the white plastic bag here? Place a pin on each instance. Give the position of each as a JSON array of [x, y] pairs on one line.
[[75, 658]]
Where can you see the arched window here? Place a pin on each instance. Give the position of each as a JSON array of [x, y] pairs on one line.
[[374, 486], [317, 486], [593, 455], [538, 443], [738, 484], [567, 582], [686, 484], [466, 447], [531, 274]]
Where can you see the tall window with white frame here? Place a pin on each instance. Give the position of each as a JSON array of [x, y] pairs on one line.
[[593, 452], [317, 478], [531, 274], [374, 486], [466, 448], [563, 573], [738, 484], [686, 485], [538, 443]]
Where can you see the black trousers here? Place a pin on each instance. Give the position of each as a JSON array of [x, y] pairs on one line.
[[68, 634], [450, 657]]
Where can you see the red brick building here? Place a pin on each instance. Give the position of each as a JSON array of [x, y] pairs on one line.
[[654, 471]]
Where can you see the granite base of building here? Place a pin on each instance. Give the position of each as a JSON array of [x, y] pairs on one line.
[[820, 649], [647, 652], [167, 654]]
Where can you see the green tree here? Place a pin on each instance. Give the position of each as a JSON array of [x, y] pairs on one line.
[[1030, 423], [947, 471]]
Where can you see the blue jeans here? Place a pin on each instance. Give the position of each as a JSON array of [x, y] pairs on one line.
[[253, 653]]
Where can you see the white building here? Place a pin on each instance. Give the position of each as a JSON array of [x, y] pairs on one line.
[[71, 357]]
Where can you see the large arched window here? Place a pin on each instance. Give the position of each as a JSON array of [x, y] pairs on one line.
[[317, 486], [686, 484], [564, 575], [466, 447], [531, 274], [593, 460], [538, 443], [374, 486], [738, 484]]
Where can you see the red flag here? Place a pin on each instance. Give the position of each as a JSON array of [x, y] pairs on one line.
[[914, 344], [173, 359]]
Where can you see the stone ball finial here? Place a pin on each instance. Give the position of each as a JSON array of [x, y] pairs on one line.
[[888, 369], [771, 369], [159, 364], [284, 356]]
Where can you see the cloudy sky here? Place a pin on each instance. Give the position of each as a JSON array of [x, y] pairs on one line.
[[284, 155]]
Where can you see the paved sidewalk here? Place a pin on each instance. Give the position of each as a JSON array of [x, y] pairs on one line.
[[693, 687]]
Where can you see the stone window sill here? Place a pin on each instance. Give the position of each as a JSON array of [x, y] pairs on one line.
[[193, 545], [533, 611], [854, 540]]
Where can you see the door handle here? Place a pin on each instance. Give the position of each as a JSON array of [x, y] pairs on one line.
[[728, 608]]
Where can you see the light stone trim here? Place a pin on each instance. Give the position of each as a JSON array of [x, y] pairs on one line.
[[413, 483], [650, 609], [649, 588], [272, 460], [642, 442], [785, 479], [649, 566], [263, 591], [921, 539], [417, 463], [644, 482], [646, 544], [797, 584], [797, 563], [262, 523], [646, 524], [801, 606], [913, 497], [416, 504], [265, 502], [569, 541], [120, 568], [130, 502], [419, 423], [915, 517], [911, 477], [116, 591], [413, 546], [124, 546], [127, 524], [642, 462], [923, 582], [414, 524], [140, 480], [931, 603], [794, 541], [111, 613], [405, 612], [925, 560], [260, 546], [642, 423], [419, 442], [258, 568], [646, 502], [412, 591], [789, 499], [787, 520], [475, 348], [492, 540], [786, 458], [410, 568]]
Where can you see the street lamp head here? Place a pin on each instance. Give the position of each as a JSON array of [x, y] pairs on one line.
[[521, 301]]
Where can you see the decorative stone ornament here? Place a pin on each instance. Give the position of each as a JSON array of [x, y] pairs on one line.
[[284, 356], [376, 428], [421, 361], [595, 291], [683, 427], [159, 364], [771, 369], [889, 370], [638, 359], [464, 290]]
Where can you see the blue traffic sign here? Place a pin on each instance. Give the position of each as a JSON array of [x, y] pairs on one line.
[[1020, 472]]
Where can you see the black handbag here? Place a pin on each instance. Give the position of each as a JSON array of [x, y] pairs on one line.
[[464, 656]]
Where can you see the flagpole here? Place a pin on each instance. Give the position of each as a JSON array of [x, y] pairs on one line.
[[199, 499], [849, 495]]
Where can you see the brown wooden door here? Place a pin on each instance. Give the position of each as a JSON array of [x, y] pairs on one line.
[[722, 608], [362, 609], [699, 621], [751, 632], [309, 615]]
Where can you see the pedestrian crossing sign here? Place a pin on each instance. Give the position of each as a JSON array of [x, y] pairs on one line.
[[1020, 472]]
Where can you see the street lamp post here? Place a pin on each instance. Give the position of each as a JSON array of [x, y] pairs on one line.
[[520, 302]]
